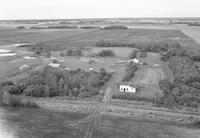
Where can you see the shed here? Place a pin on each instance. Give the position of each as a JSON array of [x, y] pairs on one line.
[[24, 66], [28, 57], [135, 60], [127, 88], [54, 65]]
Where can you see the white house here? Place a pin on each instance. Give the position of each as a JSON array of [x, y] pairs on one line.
[[127, 88], [54, 65], [135, 60], [91, 69]]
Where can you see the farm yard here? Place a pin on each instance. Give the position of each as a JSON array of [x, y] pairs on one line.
[[76, 83]]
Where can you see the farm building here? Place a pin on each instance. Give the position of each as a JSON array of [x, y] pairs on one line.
[[24, 66], [28, 57], [127, 88], [135, 60], [54, 65]]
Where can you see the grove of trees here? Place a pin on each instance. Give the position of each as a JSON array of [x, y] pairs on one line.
[[106, 53], [51, 82]]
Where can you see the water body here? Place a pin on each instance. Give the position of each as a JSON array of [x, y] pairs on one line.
[[7, 53]]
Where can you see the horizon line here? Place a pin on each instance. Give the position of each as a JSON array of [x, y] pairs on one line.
[[102, 18]]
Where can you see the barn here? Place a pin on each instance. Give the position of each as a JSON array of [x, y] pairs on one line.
[[127, 88]]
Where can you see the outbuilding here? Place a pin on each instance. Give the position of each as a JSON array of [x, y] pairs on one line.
[[135, 60], [54, 65], [127, 88]]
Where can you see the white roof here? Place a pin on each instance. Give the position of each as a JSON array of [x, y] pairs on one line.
[[23, 66], [126, 86], [28, 57], [56, 65], [136, 60]]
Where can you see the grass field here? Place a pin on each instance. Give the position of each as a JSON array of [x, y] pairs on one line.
[[149, 76], [113, 127], [123, 52], [41, 123]]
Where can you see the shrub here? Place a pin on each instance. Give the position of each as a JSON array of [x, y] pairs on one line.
[[14, 90], [30, 104], [72, 52], [77, 52], [62, 54], [55, 61], [130, 97], [133, 54], [103, 43], [105, 53], [47, 54], [115, 27], [15, 101], [35, 91], [7, 83], [130, 72], [69, 52], [143, 54]]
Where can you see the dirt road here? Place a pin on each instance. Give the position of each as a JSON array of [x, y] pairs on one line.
[[96, 115]]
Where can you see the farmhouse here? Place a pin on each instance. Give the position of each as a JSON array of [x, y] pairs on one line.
[[127, 88]]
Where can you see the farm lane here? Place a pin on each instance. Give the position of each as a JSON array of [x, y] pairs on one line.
[[96, 115]]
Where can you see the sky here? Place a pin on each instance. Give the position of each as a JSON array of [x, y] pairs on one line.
[[70, 9]]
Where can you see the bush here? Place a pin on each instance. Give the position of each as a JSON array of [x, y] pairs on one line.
[[6, 83], [103, 43], [116, 27], [30, 104], [14, 90], [15, 101], [130, 72], [35, 91], [130, 97], [133, 54], [143, 54], [106, 53], [72, 52], [62, 54]]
